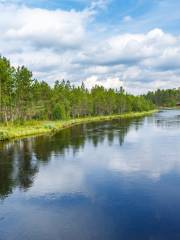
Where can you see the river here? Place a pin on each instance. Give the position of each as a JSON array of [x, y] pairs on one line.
[[98, 181]]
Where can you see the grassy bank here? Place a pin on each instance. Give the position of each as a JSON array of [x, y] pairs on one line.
[[12, 131]]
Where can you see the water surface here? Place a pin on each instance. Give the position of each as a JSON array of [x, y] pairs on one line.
[[100, 181]]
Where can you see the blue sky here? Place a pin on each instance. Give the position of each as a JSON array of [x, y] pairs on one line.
[[134, 43], [160, 13]]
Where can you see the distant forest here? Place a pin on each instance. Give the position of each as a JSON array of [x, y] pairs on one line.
[[164, 98], [24, 98]]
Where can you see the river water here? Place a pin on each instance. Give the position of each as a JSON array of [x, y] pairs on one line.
[[97, 181]]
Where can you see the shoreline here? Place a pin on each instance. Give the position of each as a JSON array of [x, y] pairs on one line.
[[169, 108], [35, 128]]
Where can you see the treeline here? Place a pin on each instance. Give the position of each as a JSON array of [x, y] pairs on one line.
[[164, 98], [24, 98]]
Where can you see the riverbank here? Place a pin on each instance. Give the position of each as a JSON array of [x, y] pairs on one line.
[[33, 128], [169, 108]]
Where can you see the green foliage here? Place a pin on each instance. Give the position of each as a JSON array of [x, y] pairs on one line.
[[4, 135], [23, 98], [58, 112], [164, 98]]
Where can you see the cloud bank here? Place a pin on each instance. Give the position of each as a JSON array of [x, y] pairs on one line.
[[57, 44]]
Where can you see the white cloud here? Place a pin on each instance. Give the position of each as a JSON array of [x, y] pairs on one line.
[[107, 83], [58, 44], [43, 28], [98, 4], [127, 19]]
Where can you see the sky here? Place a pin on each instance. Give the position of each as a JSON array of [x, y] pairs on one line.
[[129, 43]]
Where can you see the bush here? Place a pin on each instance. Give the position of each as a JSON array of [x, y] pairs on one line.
[[3, 136]]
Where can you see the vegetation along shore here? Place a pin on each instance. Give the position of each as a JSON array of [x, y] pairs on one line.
[[31, 128]]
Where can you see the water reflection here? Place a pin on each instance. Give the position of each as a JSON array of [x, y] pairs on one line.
[[20, 160], [112, 180], [168, 119]]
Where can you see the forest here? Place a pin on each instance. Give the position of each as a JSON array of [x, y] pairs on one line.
[[24, 98], [164, 97]]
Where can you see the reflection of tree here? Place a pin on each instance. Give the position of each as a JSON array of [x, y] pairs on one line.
[[125, 127], [17, 167], [6, 170], [168, 123], [166, 119], [70, 138], [27, 168], [20, 160]]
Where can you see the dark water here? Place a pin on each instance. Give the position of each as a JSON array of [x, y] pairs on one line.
[[113, 180]]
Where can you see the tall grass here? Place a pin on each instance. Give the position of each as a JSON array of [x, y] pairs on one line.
[[31, 128]]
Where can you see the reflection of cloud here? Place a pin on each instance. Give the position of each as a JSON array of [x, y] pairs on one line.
[[146, 152], [153, 167], [59, 176], [152, 151]]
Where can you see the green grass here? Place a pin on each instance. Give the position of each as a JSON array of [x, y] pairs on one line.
[[32, 128]]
